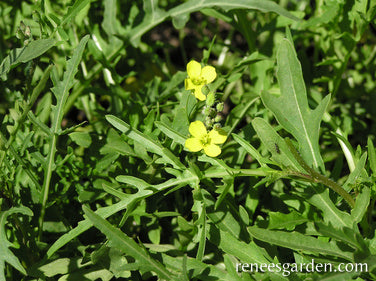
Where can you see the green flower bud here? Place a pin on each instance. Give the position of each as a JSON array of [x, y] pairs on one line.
[[217, 126], [219, 106], [208, 122], [206, 111], [218, 118], [27, 31], [19, 34]]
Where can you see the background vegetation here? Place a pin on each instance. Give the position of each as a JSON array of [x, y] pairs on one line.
[[96, 183]]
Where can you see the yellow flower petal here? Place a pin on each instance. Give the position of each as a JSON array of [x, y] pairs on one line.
[[197, 129], [189, 84], [209, 74], [217, 136], [193, 144], [212, 150], [194, 69], [198, 93]]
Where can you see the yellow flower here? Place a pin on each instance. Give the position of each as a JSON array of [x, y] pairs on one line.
[[199, 77], [201, 139]]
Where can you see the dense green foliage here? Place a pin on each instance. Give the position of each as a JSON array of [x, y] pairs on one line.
[[96, 180]]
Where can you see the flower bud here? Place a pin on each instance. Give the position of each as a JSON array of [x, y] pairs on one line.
[[206, 110], [208, 122], [219, 106], [218, 118], [217, 126], [27, 31]]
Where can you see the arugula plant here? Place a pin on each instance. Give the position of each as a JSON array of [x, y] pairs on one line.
[[245, 135]]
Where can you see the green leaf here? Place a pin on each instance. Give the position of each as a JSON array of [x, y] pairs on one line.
[[21, 55], [112, 259], [372, 155], [361, 204], [183, 179], [275, 144], [6, 254], [104, 212], [61, 88], [146, 141], [89, 273], [72, 12], [226, 217], [198, 269], [61, 91], [59, 266], [181, 120], [299, 242], [347, 149], [81, 138], [237, 114], [319, 197], [359, 168], [251, 150], [202, 231], [110, 23], [170, 132], [229, 262], [344, 234], [329, 11], [285, 221], [228, 182], [295, 115], [155, 16], [114, 143], [245, 252], [128, 246]]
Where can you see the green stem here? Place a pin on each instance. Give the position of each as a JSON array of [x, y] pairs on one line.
[[317, 177], [46, 183]]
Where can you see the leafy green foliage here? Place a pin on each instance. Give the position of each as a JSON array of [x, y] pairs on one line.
[[6, 254], [96, 180], [295, 115], [31, 51]]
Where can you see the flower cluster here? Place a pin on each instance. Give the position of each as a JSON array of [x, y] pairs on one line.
[[201, 138]]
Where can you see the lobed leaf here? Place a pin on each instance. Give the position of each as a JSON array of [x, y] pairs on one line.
[[361, 204], [300, 242], [170, 132], [147, 142], [6, 254], [128, 246], [179, 13], [275, 144], [295, 115], [22, 55]]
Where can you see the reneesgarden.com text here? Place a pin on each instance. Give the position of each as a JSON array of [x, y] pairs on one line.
[[287, 268]]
